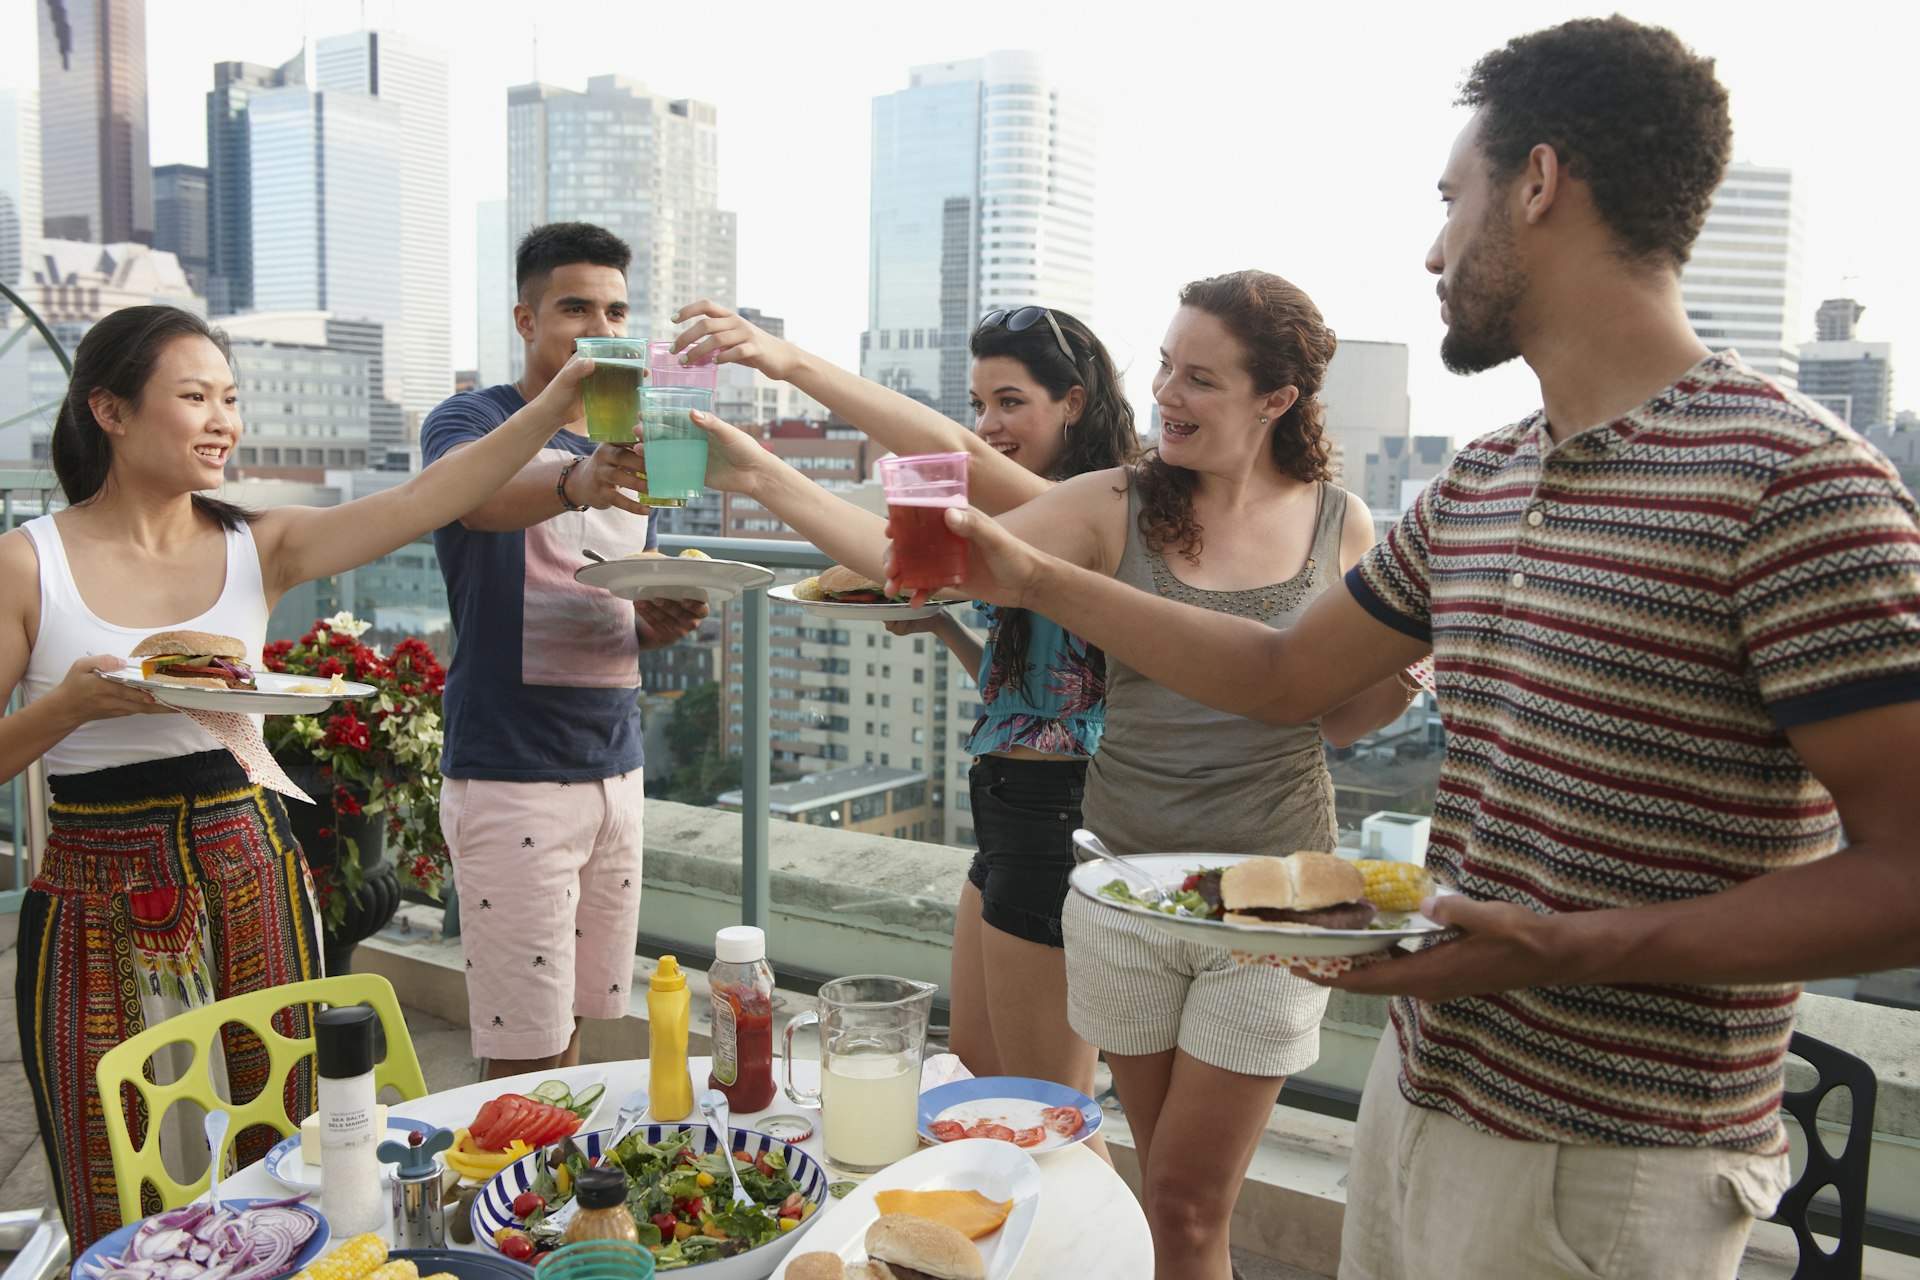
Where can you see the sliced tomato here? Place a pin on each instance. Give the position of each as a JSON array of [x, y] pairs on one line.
[[988, 1129], [489, 1112], [1065, 1121], [947, 1130], [569, 1124], [1029, 1137], [551, 1122]]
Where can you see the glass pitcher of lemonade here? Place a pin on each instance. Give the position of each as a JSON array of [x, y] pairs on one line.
[[873, 1037]]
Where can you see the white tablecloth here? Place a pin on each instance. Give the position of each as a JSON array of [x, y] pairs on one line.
[[1089, 1223]]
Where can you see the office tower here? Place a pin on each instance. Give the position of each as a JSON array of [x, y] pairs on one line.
[[1852, 379], [180, 214], [493, 295], [325, 176], [1365, 394], [97, 184], [229, 184], [982, 197], [1742, 285], [362, 339], [413, 77], [20, 217], [643, 166]]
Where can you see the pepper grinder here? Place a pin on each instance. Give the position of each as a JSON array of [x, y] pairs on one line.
[[419, 1217]]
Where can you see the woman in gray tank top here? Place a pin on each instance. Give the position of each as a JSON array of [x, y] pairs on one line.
[[1234, 511]]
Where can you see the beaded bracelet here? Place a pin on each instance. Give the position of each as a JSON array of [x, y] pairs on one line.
[[566, 469]]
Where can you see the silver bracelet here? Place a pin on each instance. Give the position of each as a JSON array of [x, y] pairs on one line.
[[566, 469]]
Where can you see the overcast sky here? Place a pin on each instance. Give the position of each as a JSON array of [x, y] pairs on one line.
[[1301, 139]]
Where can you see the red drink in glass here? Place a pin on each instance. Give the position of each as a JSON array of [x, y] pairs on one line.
[[926, 554]]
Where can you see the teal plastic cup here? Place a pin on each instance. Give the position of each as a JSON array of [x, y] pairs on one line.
[[676, 448]]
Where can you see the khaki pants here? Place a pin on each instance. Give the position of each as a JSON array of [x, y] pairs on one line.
[[1430, 1198]]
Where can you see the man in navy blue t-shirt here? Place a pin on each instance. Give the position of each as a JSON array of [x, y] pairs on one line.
[[542, 801]]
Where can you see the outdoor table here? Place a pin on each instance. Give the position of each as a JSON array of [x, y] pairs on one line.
[[1088, 1221]]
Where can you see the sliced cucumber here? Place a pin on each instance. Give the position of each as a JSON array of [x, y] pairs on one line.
[[582, 1103], [554, 1092]]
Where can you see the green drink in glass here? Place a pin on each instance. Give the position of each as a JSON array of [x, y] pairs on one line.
[[676, 448], [611, 393]]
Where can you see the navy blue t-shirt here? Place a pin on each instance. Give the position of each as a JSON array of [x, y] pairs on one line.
[[545, 674]]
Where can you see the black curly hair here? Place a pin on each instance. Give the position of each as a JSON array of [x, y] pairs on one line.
[[1628, 109]]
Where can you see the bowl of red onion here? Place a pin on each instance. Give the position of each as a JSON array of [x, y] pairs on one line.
[[239, 1240]]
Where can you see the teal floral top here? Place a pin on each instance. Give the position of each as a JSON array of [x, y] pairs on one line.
[[1059, 708]]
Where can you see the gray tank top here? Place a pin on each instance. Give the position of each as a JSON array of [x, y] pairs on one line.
[[1173, 776]]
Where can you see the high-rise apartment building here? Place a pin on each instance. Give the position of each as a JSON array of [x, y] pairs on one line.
[[982, 197], [1365, 394], [1851, 378], [180, 215], [645, 167], [332, 428], [325, 175], [229, 181], [96, 178], [20, 217], [413, 77], [493, 295], [1742, 285]]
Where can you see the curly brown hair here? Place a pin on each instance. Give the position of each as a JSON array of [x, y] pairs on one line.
[[1628, 109], [1288, 344]]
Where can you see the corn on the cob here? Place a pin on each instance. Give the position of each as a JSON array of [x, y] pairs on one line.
[[401, 1270], [1395, 887], [353, 1259]]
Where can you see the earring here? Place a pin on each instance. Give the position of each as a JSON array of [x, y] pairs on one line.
[[1065, 425], [1263, 422]]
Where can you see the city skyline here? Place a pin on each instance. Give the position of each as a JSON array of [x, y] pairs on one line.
[[1191, 125]]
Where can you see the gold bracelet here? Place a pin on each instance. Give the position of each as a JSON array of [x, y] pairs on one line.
[[1411, 686]]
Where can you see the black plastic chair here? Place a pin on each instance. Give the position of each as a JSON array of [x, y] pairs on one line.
[[1846, 1173]]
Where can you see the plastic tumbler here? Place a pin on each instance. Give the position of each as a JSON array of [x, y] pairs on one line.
[[920, 487], [611, 393], [676, 448], [665, 370]]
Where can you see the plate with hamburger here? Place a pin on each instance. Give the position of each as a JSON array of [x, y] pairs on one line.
[[1303, 904], [844, 593], [691, 575], [205, 671], [963, 1211]]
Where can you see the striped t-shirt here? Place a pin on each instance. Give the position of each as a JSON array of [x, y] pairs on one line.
[[1623, 626]]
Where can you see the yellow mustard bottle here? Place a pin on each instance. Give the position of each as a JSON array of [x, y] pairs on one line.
[[669, 1009]]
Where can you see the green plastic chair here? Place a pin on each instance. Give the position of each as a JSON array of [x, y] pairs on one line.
[[126, 1062]]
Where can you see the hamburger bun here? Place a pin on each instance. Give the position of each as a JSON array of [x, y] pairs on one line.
[[191, 642], [1301, 888], [916, 1247], [870, 1271], [816, 1266], [840, 579]]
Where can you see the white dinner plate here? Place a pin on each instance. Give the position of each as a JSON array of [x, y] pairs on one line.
[[997, 1170], [861, 612], [277, 694], [285, 1166], [1169, 869], [674, 578], [1013, 1102]]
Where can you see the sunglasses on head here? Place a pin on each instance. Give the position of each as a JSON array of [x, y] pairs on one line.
[[1025, 318]]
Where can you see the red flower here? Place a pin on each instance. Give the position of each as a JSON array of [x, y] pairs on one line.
[[347, 730], [343, 801], [324, 832]]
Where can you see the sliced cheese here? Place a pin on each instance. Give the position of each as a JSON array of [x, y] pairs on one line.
[[968, 1212]]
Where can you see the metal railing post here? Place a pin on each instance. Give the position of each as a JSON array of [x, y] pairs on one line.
[[756, 775]]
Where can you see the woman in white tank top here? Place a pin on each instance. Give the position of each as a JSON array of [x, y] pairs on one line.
[[170, 880]]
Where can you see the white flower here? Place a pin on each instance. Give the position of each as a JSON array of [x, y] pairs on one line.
[[344, 623]]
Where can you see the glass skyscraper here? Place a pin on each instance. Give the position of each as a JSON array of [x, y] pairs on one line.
[[229, 185], [97, 180], [643, 166], [982, 197], [1742, 285], [20, 218]]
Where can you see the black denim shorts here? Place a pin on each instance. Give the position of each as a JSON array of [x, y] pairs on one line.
[[1024, 815]]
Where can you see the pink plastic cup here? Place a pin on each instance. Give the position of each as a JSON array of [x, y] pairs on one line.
[[920, 487], [665, 370]]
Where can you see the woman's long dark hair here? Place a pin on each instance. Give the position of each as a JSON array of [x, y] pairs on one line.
[[1101, 438], [1288, 345], [118, 355]]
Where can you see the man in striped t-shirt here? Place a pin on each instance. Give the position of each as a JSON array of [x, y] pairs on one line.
[[1675, 617]]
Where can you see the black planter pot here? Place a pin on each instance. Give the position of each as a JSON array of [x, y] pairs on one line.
[[368, 911]]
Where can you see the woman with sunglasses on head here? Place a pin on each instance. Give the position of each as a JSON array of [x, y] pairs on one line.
[[1048, 406], [1235, 511]]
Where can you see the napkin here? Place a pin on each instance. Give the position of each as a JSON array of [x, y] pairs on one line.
[[241, 735]]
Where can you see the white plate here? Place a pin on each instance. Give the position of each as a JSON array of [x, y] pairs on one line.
[[997, 1170], [277, 694], [863, 612], [674, 578], [1014, 1101], [1169, 869], [284, 1165]]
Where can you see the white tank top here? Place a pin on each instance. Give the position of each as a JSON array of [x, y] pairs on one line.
[[70, 631]]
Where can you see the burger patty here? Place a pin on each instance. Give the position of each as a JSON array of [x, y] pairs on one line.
[[1344, 915], [906, 1273]]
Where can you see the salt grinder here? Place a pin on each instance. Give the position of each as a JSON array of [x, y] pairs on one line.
[[419, 1218]]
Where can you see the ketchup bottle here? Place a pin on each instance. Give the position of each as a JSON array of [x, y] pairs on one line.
[[742, 987]]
